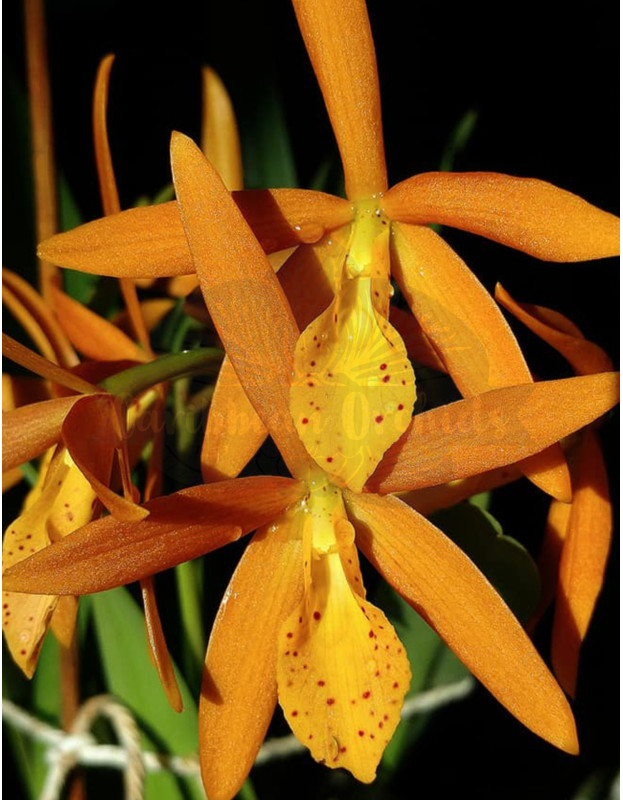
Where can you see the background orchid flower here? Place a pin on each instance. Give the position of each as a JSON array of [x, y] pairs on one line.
[[298, 586], [578, 534]]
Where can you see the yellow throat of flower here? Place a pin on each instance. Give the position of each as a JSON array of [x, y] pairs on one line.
[[353, 387]]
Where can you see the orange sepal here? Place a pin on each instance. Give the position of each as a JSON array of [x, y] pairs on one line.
[[29, 430], [583, 559], [585, 357], [524, 213], [149, 241], [467, 329], [248, 308], [237, 704], [491, 430], [219, 132], [63, 620], [92, 335], [234, 432], [41, 366], [182, 526], [340, 45], [158, 646], [93, 431], [453, 596]]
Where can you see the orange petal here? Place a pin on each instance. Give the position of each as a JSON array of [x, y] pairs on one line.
[[583, 560], [443, 585], [92, 432], [417, 343], [149, 241], [467, 328], [585, 357], [549, 557], [158, 646], [93, 335], [493, 429], [237, 704], [528, 214], [219, 132], [249, 309], [41, 366], [11, 478], [29, 430], [425, 501], [32, 305], [234, 432], [103, 158], [339, 42], [63, 621], [180, 527]]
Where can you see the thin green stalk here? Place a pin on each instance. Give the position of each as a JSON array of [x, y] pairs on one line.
[[190, 595]]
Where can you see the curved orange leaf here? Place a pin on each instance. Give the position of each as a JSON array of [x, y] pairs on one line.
[[524, 213], [446, 588], [493, 429], [340, 45], [236, 705], [182, 526]]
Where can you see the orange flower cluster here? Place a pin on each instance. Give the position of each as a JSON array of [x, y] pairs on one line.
[[320, 360]]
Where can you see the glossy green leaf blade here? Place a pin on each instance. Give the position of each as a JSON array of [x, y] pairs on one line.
[[133, 679]]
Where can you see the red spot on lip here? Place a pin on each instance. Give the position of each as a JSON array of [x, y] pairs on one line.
[[379, 418], [342, 749], [400, 407], [312, 363], [395, 685], [317, 614], [295, 713], [386, 379], [320, 683], [360, 733], [311, 383], [330, 701], [304, 421], [365, 695], [383, 366], [329, 459], [289, 635], [371, 634]]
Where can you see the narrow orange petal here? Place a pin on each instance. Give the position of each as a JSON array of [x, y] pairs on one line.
[[340, 45], [158, 646], [29, 430], [237, 704], [63, 620], [41, 366], [549, 557], [92, 432], [149, 241], [524, 213], [443, 585], [585, 357], [249, 309], [493, 429], [425, 501], [180, 527], [583, 560], [234, 432], [34, 304], [219, 131], [93, 335], [468, 330]]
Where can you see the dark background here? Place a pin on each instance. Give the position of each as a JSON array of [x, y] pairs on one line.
[[543, 81]]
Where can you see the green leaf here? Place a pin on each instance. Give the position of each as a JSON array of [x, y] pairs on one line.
[[132, 678], [459, 138], [504, 561]]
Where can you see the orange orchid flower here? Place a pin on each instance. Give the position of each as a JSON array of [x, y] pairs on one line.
[[578, 534], [294, 619], [454, 310]]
